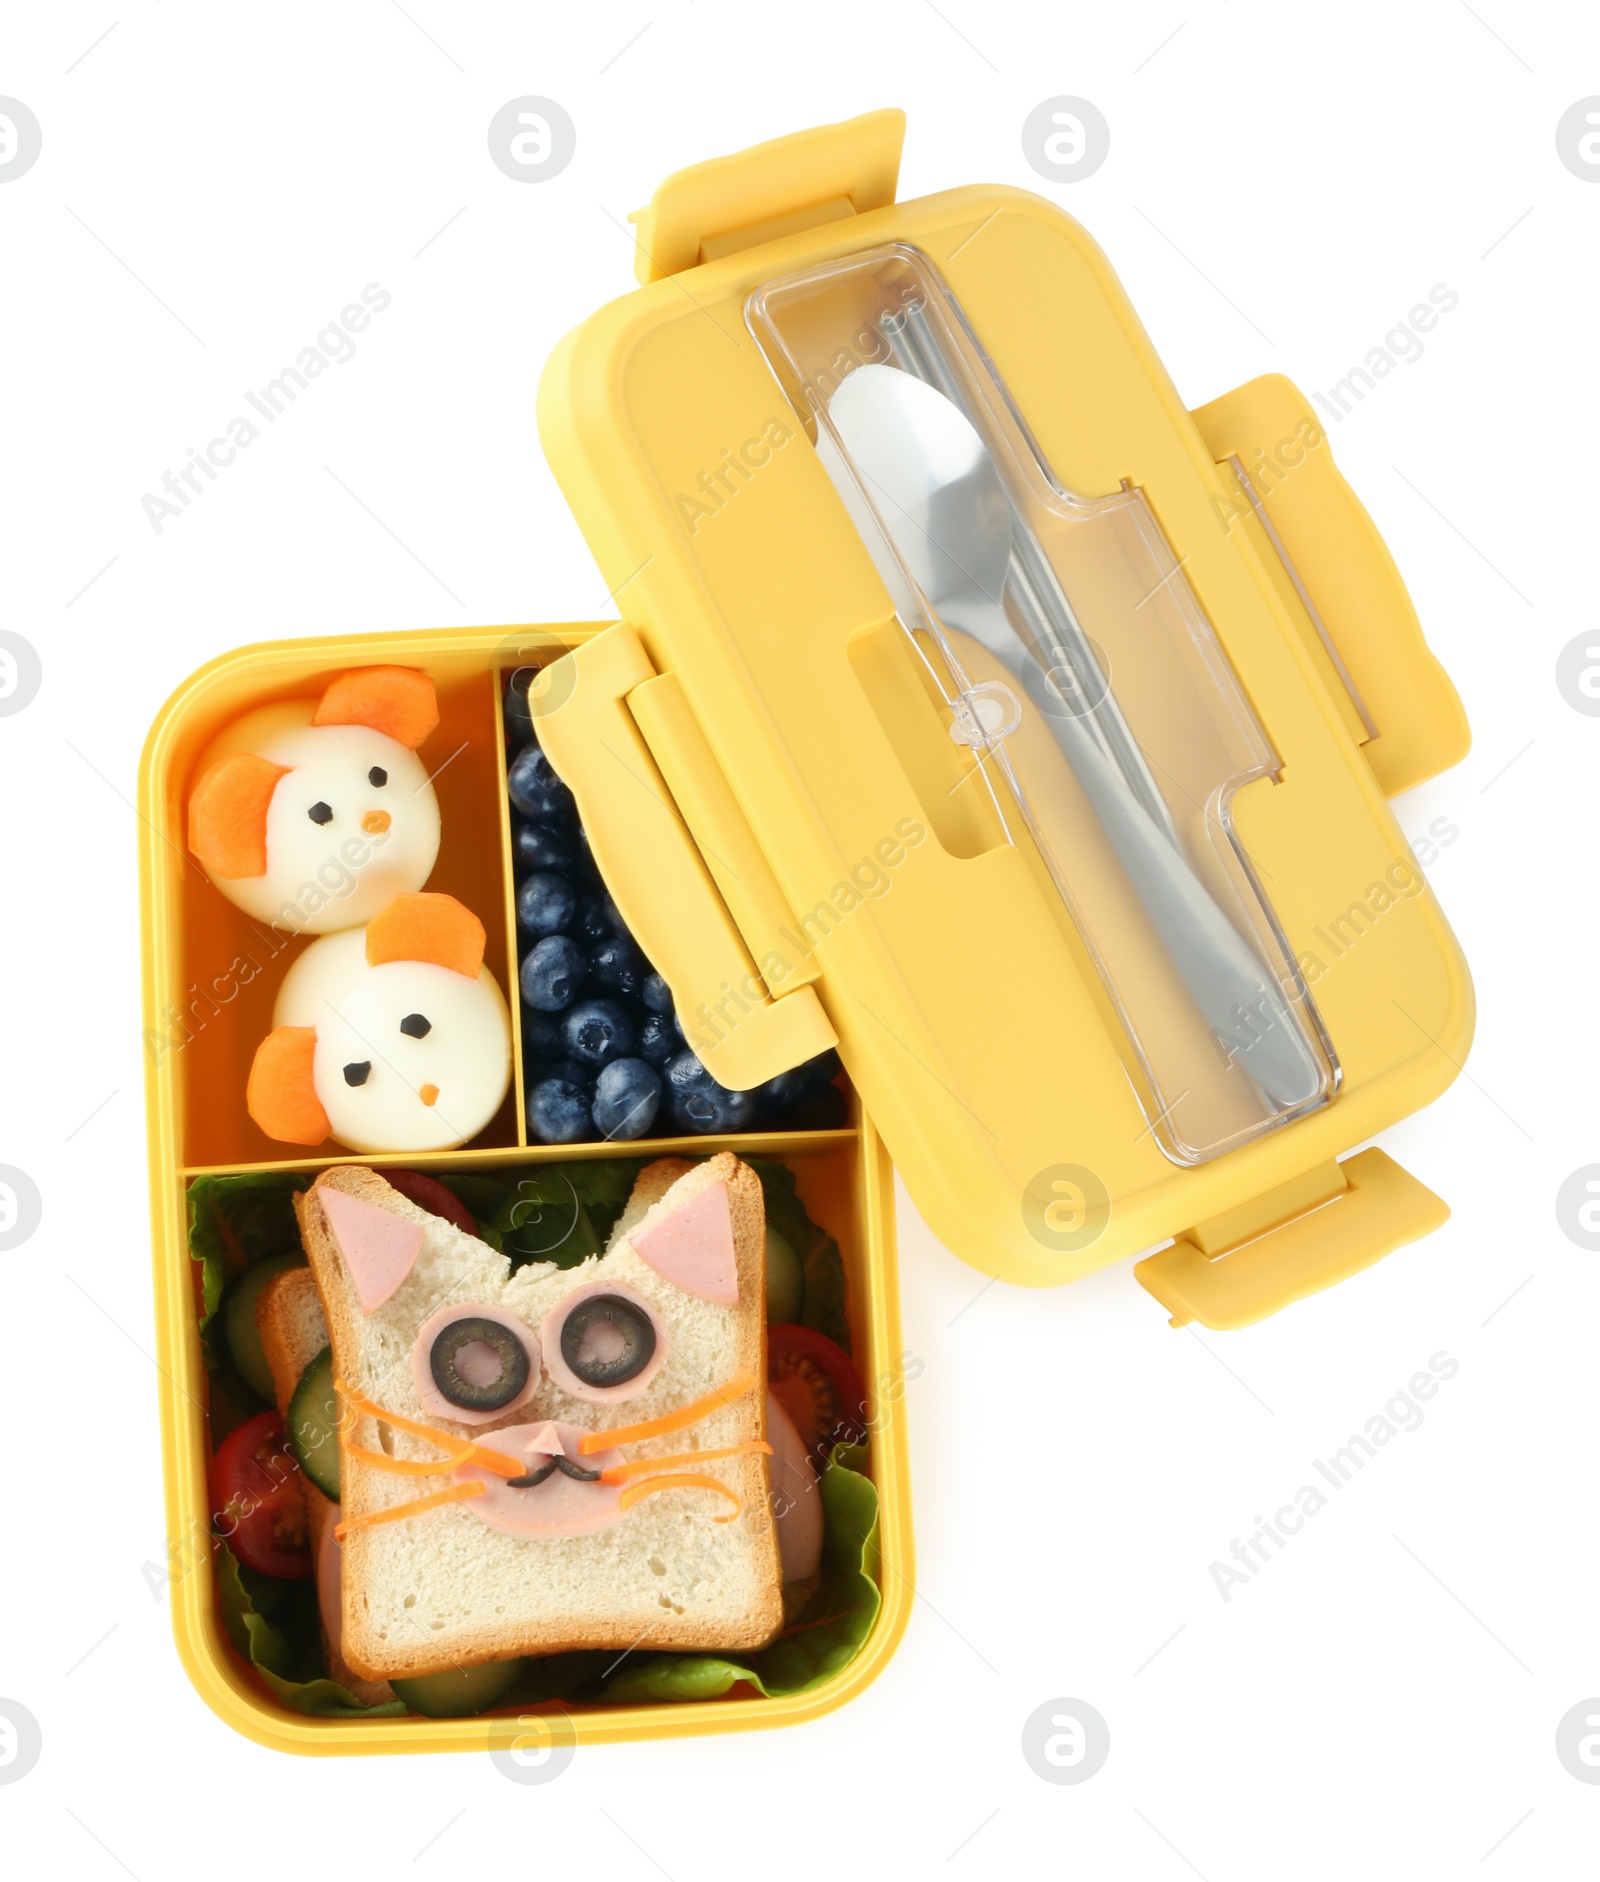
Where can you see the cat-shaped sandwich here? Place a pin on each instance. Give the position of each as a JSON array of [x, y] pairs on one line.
[[540, 1460]]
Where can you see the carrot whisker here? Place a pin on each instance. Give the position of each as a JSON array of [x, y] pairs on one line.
[[455, 1494], [401, 1466], [462, 1450], [620, 1473], [681, 1481], [686, 1415]]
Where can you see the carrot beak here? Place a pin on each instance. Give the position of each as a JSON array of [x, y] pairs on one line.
[[429, 1094], [375, 822]]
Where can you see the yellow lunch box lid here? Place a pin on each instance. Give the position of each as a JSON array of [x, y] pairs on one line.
[[795, 830]]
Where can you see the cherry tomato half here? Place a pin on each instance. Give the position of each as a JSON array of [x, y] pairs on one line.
[[256, 1501], [818, 1386], [427, 1192]]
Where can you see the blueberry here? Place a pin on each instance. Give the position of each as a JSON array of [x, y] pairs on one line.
[[618, 964], [535, 789], [656, 994], [626, 1095], [552, 973], [558, 1113], [569, 1071], [699, 1103], [541, 1036], [546, 904], [519, 716], [788, 1087], [598, 919], [658, 1041], [543, 846], [597, 1031]]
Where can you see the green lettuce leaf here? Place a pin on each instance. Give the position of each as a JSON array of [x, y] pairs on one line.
[[235, 1220], [563, 1212], [283, 1643], [824, 1309], [821, 1642], [484, 1195]]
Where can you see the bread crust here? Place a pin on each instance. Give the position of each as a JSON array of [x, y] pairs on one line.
[[294, 1330], [377, 1655]]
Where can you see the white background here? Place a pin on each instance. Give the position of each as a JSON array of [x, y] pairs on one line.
[[1284, 183]]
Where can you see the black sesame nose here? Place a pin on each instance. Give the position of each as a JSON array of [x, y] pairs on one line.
[[356, 1073], [320, 813], [377, 775], [415, 1026]]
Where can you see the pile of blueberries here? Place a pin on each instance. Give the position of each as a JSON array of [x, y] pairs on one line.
[[603, 1053]]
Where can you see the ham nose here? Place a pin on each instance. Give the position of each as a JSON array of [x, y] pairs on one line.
[[375, 822], [545, 1442]]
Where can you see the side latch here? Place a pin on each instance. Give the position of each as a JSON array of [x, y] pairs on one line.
[[594, 707], [824, 174], [1293, 1241]]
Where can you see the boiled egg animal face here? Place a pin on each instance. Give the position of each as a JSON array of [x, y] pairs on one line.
[[352, 822], [409, 1055]]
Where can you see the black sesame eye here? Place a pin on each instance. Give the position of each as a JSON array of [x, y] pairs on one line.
[[415, 1026], [356, 1073], [377, 775], [320, 813]]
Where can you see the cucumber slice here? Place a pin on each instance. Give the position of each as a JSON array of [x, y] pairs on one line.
[[313, 1423], [460, 1692], [786, 1281], [239, 1321]]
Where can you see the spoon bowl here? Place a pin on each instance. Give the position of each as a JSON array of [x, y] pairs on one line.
[[936, 488]]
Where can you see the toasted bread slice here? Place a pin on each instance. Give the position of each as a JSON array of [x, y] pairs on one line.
[[442, 1588], [293, 1331]]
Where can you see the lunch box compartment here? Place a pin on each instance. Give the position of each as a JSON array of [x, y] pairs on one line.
[[214, 1006], [1103, 728]]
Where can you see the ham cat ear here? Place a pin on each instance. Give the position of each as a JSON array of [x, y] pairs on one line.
[[396, 700], [427, 927], [281, 1095], [228, 815], [379, 1247], [693, 1247]]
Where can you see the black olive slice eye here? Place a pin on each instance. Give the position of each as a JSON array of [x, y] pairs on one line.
[[356, 1072], [478, 1364], [416, 1026], [377, 775], [607, 1340], [320, 812]]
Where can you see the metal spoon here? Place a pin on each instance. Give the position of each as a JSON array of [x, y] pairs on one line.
[[940, 499]]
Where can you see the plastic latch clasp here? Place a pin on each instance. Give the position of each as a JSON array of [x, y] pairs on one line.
[[767, 192], [657, 873], [1294, 1241], [1336, 578]]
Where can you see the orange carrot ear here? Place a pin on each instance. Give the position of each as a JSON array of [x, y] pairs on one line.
[[281, 1096], [395, 700], [228, 815], [427, 927]]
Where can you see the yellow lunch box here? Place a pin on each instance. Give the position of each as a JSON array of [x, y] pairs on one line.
[[974, 706]]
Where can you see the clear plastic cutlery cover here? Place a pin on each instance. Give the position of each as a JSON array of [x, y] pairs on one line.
[[1094, 719]]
